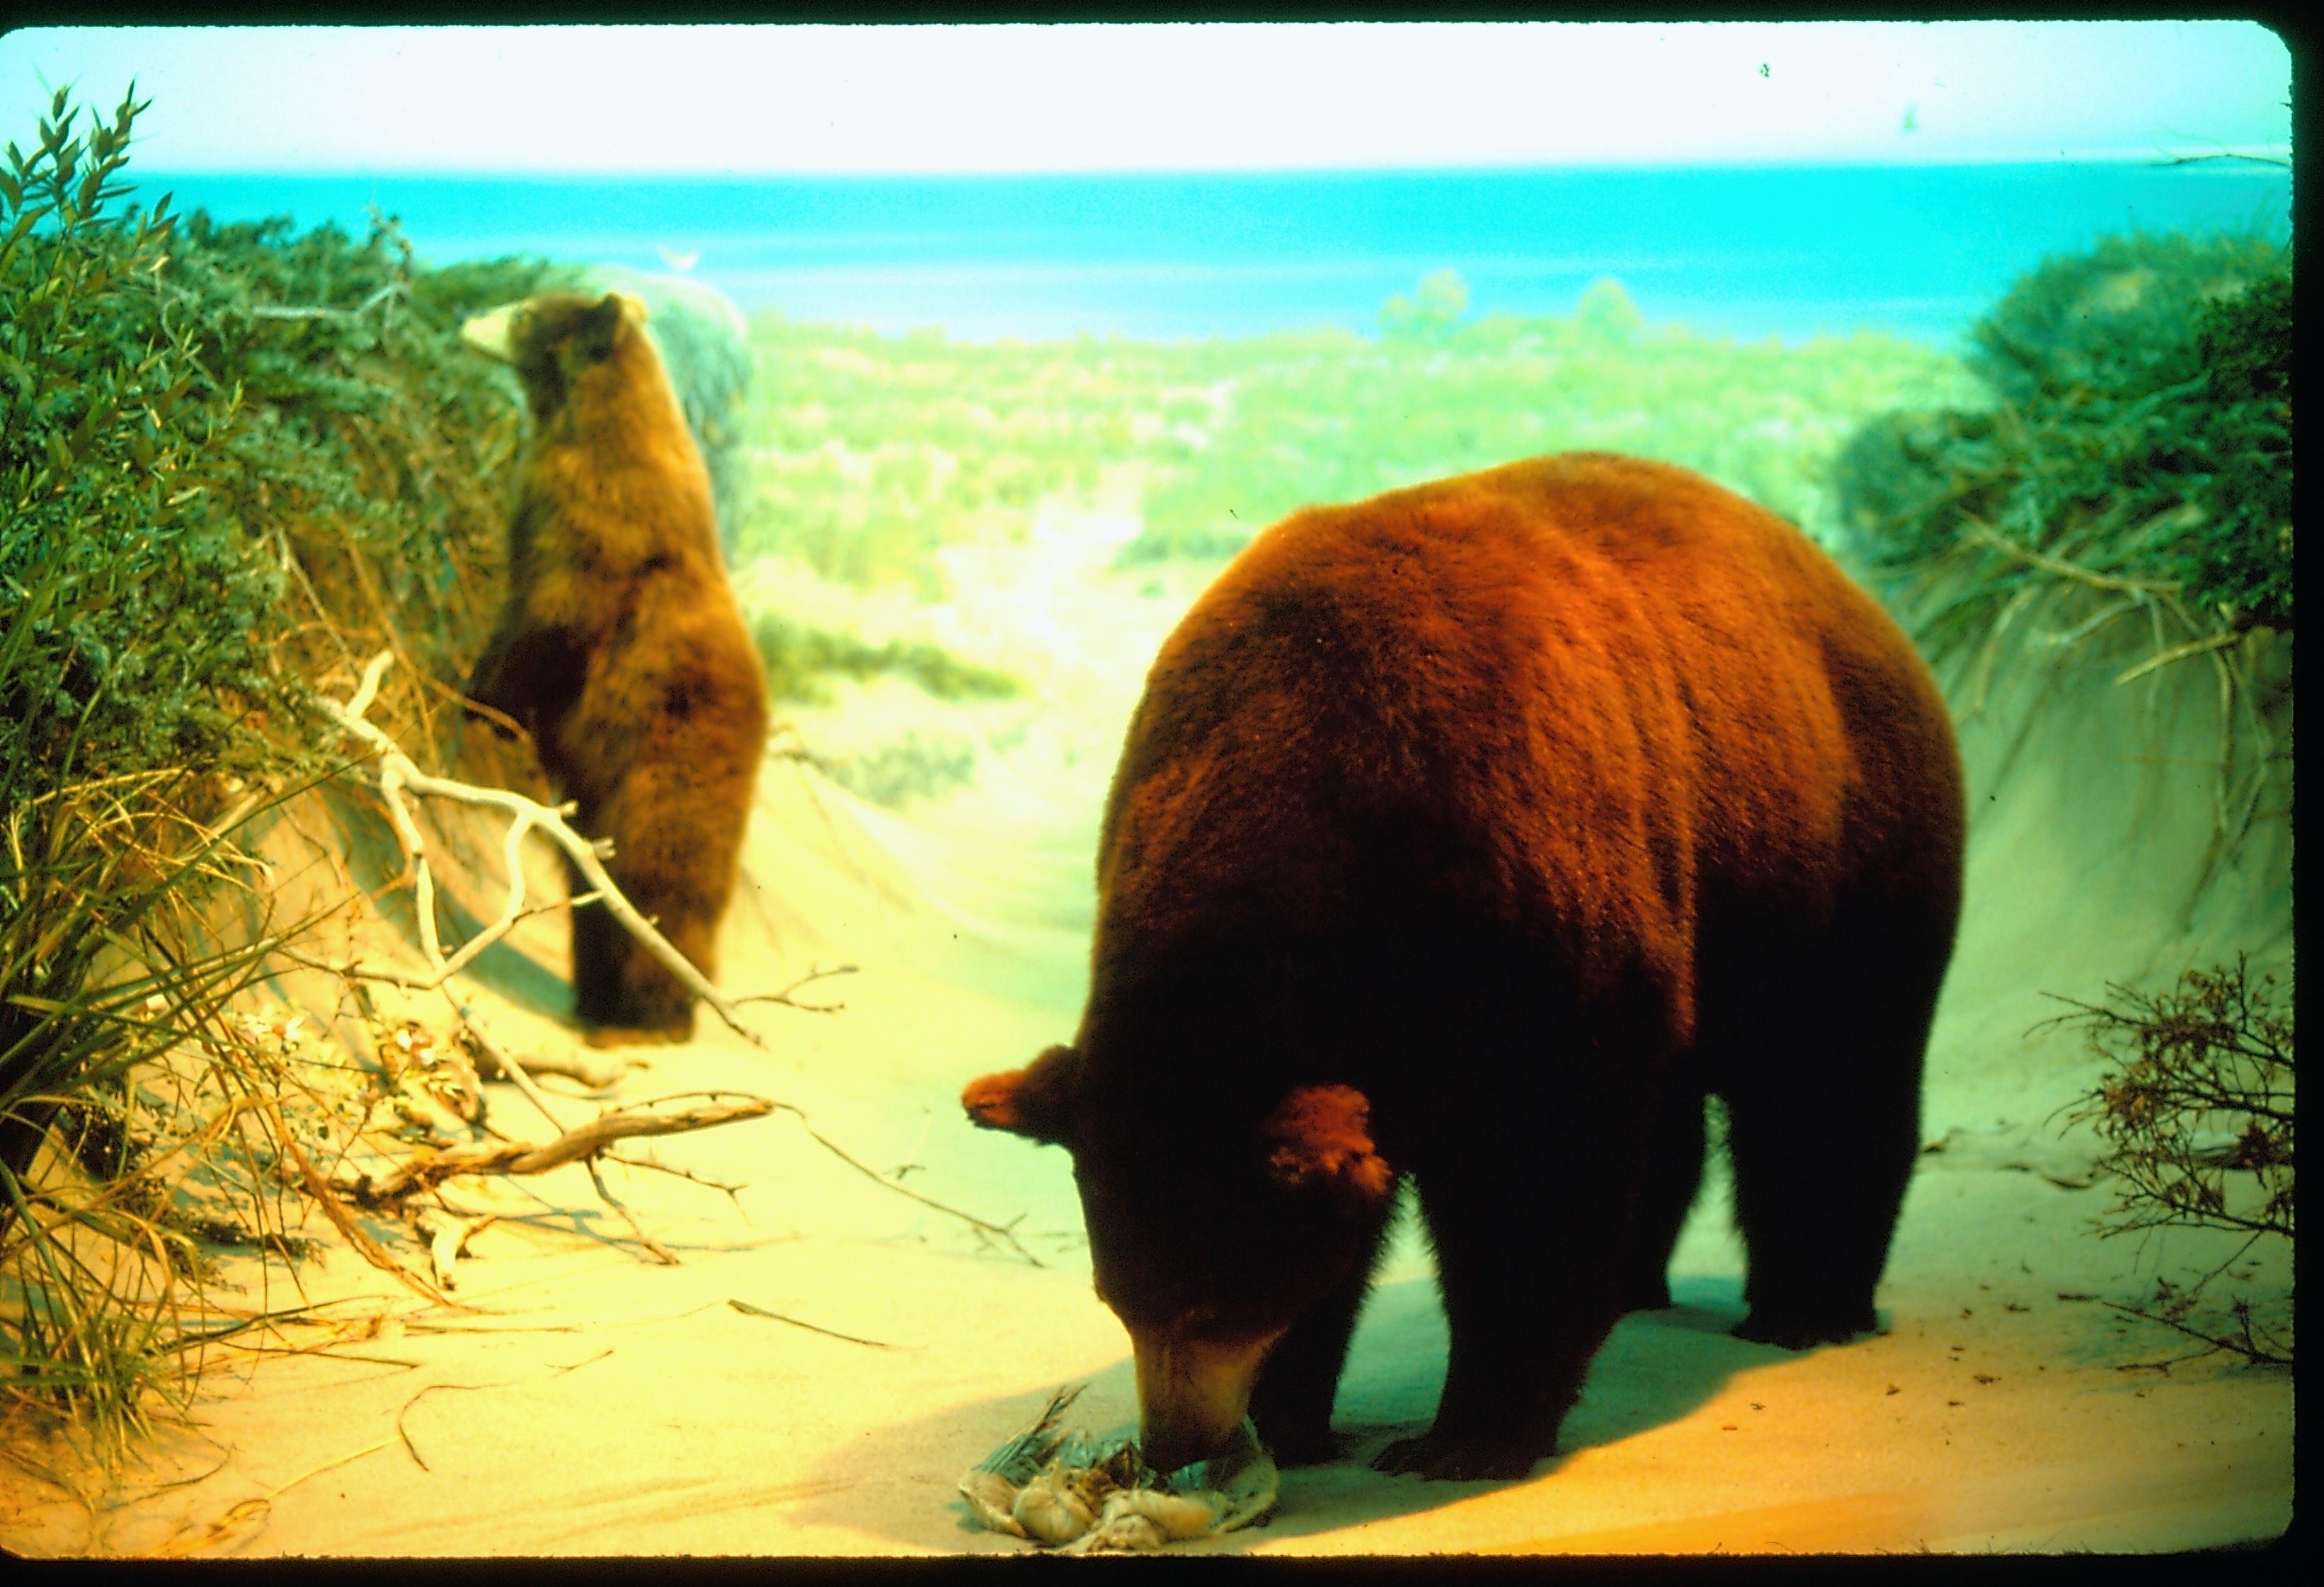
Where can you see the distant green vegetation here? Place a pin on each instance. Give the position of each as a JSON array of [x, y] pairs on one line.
[[875, 451], [800, 657], [872, 452], [1348, 417]]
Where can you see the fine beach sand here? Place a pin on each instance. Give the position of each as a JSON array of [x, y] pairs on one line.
[[582, 1400]]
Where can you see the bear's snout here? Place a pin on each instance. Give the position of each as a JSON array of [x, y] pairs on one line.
[[1193, 1394]]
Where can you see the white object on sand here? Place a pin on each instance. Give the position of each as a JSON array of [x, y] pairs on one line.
[[1078, 1495]]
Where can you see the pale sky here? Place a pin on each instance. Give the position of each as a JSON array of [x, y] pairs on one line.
[[1162, 97]]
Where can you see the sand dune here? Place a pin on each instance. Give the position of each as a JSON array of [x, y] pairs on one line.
[[582, 1400]]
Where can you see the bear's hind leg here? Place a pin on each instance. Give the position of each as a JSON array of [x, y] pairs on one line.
[[600, 943], [622, 994], [1674, 1175], [650, 1004], [677, 825], [1823, 1127]]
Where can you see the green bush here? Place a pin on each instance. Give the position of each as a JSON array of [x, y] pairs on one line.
[[2243, 562], [2136, 440], [217, 439], [233, 462], [138, 595]]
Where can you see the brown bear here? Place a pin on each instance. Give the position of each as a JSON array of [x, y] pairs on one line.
[[1474, 833], [622, 649]]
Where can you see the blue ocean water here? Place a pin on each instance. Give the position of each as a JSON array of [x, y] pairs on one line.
[[1916, 251]]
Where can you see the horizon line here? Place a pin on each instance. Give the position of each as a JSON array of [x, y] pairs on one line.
[[2271, 156]]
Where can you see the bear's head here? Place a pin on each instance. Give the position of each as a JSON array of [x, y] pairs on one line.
[[1215, 1224], [553, 340]]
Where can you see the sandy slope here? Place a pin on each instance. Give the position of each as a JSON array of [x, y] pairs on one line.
[[586, 1401]]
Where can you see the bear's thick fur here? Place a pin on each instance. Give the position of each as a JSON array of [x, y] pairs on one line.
[[621, 649], [1474, 833]]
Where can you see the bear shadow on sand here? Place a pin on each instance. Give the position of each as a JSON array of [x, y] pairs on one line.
[[1657, 1367]]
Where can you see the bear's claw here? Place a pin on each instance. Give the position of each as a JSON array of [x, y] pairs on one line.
[[1455, 1459]]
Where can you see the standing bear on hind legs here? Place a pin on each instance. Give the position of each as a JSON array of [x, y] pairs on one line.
[[621, 649], [1474, 833]]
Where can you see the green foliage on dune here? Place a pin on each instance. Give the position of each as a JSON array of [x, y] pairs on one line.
[[1348, 418], [873, 452], [234, 460], [198, 417], [2133, 442]]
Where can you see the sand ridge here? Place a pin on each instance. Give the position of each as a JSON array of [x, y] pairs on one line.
[[592, 1402]]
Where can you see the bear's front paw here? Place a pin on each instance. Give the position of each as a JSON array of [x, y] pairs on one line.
[[1305, 1446], [1455, 1459], [608, 1036]]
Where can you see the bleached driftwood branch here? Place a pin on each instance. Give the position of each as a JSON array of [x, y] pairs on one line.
[[397, 774], [427, 1170], [299, 311]]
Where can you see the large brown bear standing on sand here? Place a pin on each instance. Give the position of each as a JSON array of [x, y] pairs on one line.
[[1474, 833], [622, 649]]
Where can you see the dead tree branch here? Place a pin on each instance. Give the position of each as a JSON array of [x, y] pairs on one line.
[[429, 1169], [398, 774]]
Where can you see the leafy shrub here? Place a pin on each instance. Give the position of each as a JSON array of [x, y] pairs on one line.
[[231, 460], [2243, 561], [2197, 1110], [137, 592], [2137, 441], [217, 439], [2114, 319]]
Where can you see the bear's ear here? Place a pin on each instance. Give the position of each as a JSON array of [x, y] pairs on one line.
[[1322, 1134], [600, 326], [1036, 1102]]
